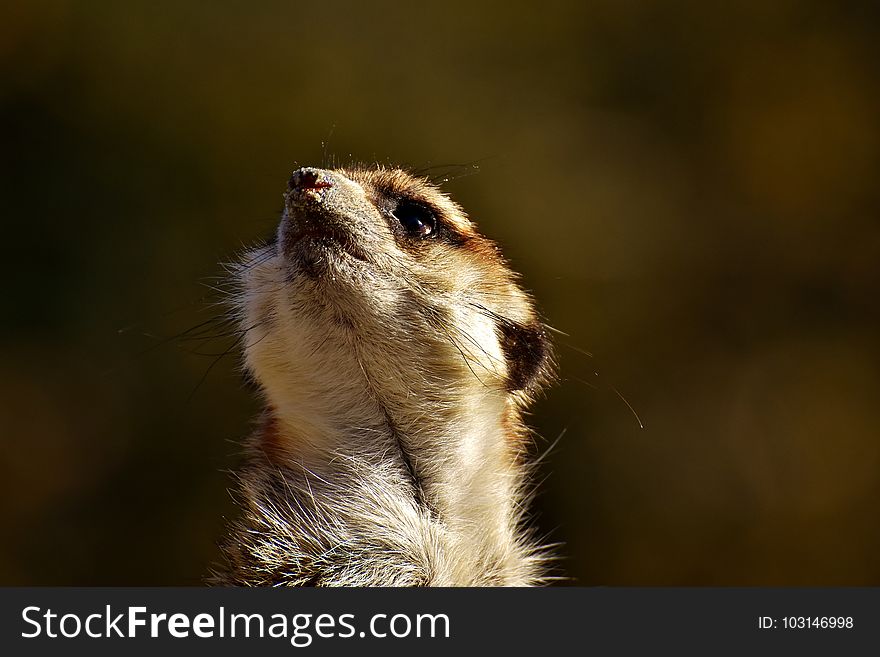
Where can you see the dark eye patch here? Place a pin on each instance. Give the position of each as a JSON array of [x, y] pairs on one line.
[[416, 219]]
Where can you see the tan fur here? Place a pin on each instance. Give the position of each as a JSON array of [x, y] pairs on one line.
[[395, 371]]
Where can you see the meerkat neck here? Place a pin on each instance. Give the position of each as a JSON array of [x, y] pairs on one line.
[[459, 483]]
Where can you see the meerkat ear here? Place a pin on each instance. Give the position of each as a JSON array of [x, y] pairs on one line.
[[528, 353]]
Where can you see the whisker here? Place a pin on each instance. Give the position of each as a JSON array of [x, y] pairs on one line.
[[635, 415]]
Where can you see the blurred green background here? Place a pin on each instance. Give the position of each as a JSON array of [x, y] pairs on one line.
[[689, 188]]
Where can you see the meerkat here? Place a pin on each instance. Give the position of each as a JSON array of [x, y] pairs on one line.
[[395, 352]]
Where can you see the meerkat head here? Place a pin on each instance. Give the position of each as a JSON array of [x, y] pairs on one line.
[[378, 299]]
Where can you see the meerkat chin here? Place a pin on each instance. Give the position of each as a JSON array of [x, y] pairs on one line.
[[396, 352]]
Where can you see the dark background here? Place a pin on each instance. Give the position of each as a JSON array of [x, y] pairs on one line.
[[690, 191]]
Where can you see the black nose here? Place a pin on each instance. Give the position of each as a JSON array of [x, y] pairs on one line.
[[307, 178]]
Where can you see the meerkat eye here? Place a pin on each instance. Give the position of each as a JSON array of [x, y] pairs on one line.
[[417, 220]]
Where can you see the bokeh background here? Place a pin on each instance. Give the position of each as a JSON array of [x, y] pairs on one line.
[[689, 188]]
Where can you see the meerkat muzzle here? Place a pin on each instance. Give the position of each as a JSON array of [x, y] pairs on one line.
[[308, 178]]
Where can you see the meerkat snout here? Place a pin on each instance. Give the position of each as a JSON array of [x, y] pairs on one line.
[[309, 178]]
